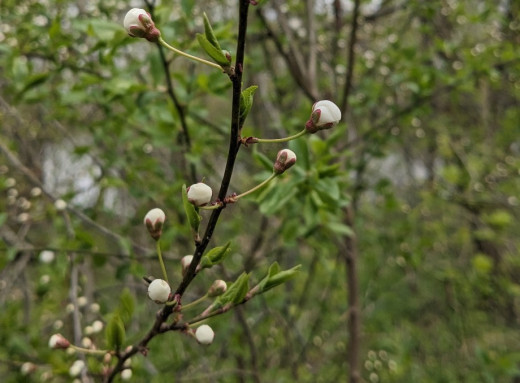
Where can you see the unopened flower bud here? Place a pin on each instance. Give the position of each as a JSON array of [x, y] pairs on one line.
[[76, 368], [46, 256], [58, 341], [126, 374], [204, 334], [86, 342], [60, 204], [27, 368], [97, 326], [199, 194], [284, 160], [218, 287], [154, 221], [159, 291], [185, 263], [139, 23], [107, 358], [325, 115]]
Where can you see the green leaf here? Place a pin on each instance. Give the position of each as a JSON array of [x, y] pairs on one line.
[[235, 292], [115, 332], [191, 213], [340, 228], [246, 102], [215, 256], [281, 277], [210, 35], [262, 159], [216, 54], [275, 277], [126, 305]]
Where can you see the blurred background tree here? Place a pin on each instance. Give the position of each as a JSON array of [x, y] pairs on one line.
[[418, 186]]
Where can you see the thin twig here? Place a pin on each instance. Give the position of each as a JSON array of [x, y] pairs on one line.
[[159, 325]]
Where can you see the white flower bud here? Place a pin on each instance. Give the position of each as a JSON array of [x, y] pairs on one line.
[[82, 301], [159, 291], [138, 23], [204, 334], [97, 326], [199, 194], [325, 115], [107, 358], [185, 263], [60, 204], [27, 368], [36, 192], [86, 342], [46, 256], [126, 374], [284, 160], [154, 221], [58, 341], [94, 308], [76, 368], [218, 287]]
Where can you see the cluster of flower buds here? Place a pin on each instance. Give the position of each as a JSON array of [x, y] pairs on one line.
[[154, 221], [325, 115], [139, 23], [159, 291], [199, 194]]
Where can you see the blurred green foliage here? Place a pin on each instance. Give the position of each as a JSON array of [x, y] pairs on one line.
[[428, 154]]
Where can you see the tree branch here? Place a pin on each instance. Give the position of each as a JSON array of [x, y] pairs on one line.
[[159, 325]]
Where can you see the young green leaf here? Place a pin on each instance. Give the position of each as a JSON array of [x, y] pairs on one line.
[[246, 102], [115, 332], [210, 35], [191, 213], [215, 256], [235, 292], [216, 54], [281, 277]]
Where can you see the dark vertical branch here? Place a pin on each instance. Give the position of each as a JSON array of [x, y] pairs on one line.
[[180, 111], [354, 320], [350, 57], [171, 94], [159, 325], [351, 254], [250, 342]]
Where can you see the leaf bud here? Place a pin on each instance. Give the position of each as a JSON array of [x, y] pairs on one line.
[[159, 291], [284, 160]]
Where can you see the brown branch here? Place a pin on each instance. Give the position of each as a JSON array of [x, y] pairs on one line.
[[171, 94], [296, 71], [350, 253], [350, 57], [159, 325]]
